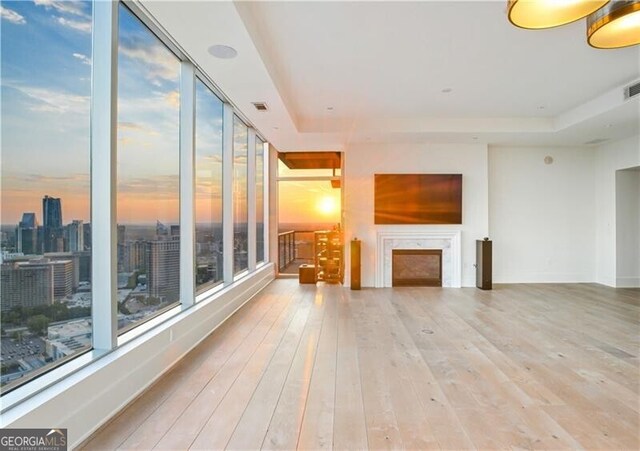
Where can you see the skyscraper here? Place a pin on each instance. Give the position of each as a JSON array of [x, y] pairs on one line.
[[27, 234], [75, 236], [121, 246], [52, 217], [86, 232], [161, 229], [163, 269], [25, 285]]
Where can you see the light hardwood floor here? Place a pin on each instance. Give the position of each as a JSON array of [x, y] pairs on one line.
[[522, 366]]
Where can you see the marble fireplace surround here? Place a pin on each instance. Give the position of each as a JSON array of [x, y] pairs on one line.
[[447, 240]]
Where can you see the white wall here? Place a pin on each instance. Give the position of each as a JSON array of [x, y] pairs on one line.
[[362, 161], [622, 154], [542, 216], [628, 228]]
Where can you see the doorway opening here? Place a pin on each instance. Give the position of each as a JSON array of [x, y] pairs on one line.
[[309, 200], [627, 225]]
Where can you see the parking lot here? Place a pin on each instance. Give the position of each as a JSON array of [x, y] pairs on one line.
[[13, 349]]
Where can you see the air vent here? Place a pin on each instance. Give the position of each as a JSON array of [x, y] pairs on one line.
[[593, 142], [260, 106], [632, 90]]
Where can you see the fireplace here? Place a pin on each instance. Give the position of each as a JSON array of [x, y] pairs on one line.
[[447, 241], [416, 268]]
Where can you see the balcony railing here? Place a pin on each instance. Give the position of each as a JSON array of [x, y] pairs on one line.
[[295, 247], [286, 249]]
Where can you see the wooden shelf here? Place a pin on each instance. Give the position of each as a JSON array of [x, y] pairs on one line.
[[329, 256]]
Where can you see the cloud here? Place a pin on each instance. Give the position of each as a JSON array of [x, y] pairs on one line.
[[130, 126], [38, 182], [209, 189], [83, 26], [56, 101], [83, 58], [172, 98], [210, 159], [159, 63], [66, 7], [161, 186], [11, 16]]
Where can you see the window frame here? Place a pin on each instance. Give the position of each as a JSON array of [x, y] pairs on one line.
[[209, 286]]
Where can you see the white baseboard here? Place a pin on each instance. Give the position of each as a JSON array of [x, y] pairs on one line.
[[628, 282]]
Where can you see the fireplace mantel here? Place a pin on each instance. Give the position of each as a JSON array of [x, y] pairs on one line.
[[447, 240]]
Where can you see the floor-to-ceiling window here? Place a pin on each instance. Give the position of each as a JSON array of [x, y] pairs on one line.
[[240, 208], [208, 250], [148, 173], [45, 291]]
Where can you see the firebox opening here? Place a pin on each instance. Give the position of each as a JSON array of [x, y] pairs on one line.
[[416, 268]]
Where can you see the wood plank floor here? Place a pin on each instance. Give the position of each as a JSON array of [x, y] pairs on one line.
[[519, 367]]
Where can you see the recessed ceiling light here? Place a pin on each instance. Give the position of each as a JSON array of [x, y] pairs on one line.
[[329, 108], [276, 128], [475, 137], [224, 52], [541, 107], [609, 125], [447, 90]]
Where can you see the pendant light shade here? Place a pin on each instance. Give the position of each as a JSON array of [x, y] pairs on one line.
[[616, 25], [537, 14]]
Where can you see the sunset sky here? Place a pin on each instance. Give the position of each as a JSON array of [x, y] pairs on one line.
[[308, 202], [46, 51], [46, 86]]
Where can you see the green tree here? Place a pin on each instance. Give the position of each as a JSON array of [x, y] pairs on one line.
[[38, 324], [17, 335]]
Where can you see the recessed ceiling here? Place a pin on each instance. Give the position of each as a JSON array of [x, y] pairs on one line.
[[386, 69]]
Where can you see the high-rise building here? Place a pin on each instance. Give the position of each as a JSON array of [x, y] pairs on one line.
[[52, 224], [75, 236], [27, 234], [121, 247], [163, 269], [84, 265], [86, 232], [62, 270], [161, 229], [25, 285], [135, 256], [74, 257]]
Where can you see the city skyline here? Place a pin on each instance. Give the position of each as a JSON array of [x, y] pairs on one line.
[[55, 38]]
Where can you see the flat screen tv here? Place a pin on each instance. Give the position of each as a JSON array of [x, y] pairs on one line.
[[418, 199]]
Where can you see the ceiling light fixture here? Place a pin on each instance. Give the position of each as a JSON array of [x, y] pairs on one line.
[[224, 52], [615, 25], [611, 24], [538, 14], [446, 90]]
